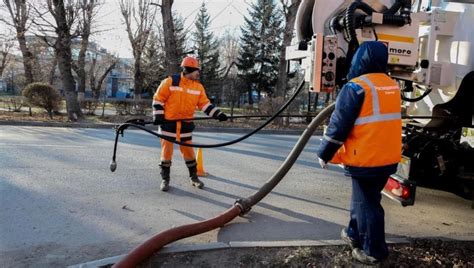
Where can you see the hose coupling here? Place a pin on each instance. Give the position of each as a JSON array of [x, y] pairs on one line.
[[244, 209]]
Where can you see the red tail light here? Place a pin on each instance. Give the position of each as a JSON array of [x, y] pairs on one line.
[[405, 192], [400, 190]]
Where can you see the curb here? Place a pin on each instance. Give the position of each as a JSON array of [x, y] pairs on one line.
[[237, 244], [55, 124], [112, 126]]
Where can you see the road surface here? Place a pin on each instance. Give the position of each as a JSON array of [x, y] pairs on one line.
[[61, 205]]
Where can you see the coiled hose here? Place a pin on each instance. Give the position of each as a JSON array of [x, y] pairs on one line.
[[241, 206], [389, 16], [349, 19]]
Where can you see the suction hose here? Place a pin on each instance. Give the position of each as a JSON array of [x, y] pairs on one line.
[[242, 206], [290, 159]]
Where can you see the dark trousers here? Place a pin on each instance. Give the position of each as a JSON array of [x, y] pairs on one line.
[[367, 215]]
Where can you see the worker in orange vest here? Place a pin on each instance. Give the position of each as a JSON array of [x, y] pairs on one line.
[[364, 134], [177, 98]]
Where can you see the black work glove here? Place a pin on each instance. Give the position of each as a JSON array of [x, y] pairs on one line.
[[222, 117], [158, 120]]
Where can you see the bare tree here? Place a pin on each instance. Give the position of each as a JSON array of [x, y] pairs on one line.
[[19, 18], [139, 17], [153, 63], [44, 60], [171, 51], [64, 18], [98, 71], [229, 50], [5, 46], [229, 47], [88, 9], [290, 7]]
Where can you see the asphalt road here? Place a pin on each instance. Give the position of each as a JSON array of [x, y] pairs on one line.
[[60, 204]]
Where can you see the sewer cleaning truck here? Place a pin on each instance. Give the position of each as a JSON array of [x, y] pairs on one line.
[[431, 56]]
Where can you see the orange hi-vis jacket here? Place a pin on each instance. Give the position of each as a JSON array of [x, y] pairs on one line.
[[179, 102], [376, 138]]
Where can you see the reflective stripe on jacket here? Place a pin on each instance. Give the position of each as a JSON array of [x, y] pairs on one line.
[[375, 139]]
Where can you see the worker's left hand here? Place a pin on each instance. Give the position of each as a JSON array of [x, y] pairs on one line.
[[322, 163], [222, 117]]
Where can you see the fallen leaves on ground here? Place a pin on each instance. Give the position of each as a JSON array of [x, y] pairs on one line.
[[417, 253]]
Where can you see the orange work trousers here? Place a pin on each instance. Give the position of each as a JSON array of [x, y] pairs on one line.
[[167, 151]]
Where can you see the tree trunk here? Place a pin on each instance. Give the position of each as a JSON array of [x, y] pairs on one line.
[[28, 57], [4, 61], [138, 37], [80, 70], [62, 47], [63, 51], [138, 78], [250, 97], [92, 78], [290, 16], [19, 14], [102, 78], [53, 70], [172, 57], [232, 104]]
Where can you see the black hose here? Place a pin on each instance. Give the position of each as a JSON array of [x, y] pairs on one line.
[[397, 20], [349, 20], [389, 17], [394, 8], [142, 122], [122, 127], [425, 117], [417, 98], [247, 203]]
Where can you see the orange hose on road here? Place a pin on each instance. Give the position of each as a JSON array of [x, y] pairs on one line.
[[146, 249]]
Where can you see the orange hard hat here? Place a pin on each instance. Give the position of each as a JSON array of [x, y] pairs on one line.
[[190, 62]]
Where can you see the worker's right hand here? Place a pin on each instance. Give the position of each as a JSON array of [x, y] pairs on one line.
[[158, 120], [323, 163]]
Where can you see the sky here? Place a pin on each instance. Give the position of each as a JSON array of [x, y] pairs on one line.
[[224, 15]]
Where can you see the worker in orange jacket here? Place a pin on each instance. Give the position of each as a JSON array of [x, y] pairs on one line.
[[365, 135], [177, 98]]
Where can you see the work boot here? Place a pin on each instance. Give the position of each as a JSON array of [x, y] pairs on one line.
[[359, 255], [349, 240], [164, 186], [196, 182], [192, 166], [165, 167]]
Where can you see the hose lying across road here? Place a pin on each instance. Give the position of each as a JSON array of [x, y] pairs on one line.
[[120, 129], [241, 206]]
